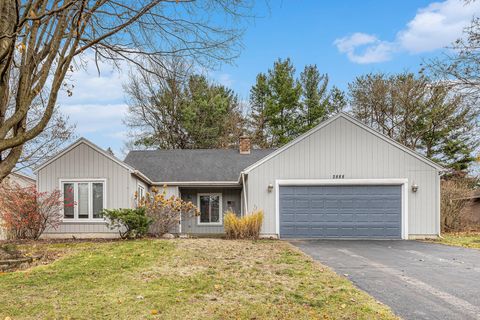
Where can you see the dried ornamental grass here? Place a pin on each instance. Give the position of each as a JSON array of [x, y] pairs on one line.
[[246, 227]]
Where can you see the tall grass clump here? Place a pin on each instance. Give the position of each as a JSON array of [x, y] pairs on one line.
[[246, 227]]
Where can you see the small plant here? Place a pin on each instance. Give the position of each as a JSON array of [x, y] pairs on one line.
[[246, 227], [165, 212], [26, 213], [131, 223]]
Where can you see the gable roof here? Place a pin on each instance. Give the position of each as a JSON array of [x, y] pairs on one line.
[[356, 122], [96, 148], [193, 165], [23, 175], [88, 143]]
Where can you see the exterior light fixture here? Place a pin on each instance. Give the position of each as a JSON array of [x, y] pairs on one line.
[[415, 187], [270, 187]]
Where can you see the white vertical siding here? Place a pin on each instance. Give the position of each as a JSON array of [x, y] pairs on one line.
[[342, 147], [84, 162]]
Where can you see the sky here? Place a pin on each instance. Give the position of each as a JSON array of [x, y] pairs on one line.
[[343, 38]]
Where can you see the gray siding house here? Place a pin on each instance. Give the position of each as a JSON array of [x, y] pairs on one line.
[[339, 180]]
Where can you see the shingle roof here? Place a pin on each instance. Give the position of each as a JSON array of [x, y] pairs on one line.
[[193, 164]]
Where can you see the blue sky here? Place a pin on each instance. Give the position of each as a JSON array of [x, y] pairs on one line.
[[343, 38]]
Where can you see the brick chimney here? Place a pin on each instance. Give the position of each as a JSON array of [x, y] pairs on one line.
[[244, 145]]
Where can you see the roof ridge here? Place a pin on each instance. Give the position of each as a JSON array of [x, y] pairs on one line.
[[204, 149]]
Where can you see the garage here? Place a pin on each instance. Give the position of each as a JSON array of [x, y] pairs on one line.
[[340, 211], [343, 179]]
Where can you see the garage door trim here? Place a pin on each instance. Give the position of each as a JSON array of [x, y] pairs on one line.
[[342, 182]]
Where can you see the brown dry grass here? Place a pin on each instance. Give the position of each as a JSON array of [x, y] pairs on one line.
[[184, 279]]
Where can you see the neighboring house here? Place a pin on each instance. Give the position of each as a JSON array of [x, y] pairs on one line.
[[472, 211], [20, 179], [341, 179]]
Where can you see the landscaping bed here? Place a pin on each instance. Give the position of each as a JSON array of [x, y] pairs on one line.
[[15, 257], [182, 279]]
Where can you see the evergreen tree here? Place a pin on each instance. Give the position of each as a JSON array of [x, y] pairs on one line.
[[283, 107], [282, 103], [179, 110], [315, 102], [211, 114], [258, 101], [337, 100]]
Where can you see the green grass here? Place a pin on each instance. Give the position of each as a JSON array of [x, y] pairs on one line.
[[182, 279], [461, 239]]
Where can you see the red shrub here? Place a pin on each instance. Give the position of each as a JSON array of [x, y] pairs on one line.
[[25, 213]]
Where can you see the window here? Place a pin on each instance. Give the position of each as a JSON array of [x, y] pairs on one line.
[[83, 200], [68, 201], [140, 192], [210, 206]]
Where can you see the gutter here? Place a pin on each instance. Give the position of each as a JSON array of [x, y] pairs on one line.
[[242, 174], [197, 183], [142, 176]]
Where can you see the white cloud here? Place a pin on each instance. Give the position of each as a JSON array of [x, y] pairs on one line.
[[433, 27], [437, 25], [97, 105], [99, 118], [90, 86], [373, 51]]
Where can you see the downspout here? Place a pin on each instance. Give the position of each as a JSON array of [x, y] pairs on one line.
[[438, 203], [244, 193]]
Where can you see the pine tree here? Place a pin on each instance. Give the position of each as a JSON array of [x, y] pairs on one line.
[[258, 121], [282, 103], [283, 107], [315, 102]]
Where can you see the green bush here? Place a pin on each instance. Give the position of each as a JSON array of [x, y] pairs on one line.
[[131, 223]]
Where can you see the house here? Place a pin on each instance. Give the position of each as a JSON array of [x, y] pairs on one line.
[[471, 214], [19, 179], [341, 179]]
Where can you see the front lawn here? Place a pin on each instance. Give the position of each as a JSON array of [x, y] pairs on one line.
[[182, 279], [461, 239]]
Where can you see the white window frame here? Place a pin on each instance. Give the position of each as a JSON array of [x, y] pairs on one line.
[[75, 182], [140, 194], [220, 209]]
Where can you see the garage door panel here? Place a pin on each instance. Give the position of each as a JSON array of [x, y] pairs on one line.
[[340, 211]]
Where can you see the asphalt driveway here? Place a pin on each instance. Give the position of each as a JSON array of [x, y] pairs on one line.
[[417, 280]]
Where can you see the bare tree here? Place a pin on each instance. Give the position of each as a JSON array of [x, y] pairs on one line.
[[428, 117], [155, 101], [460, 65], [175, 108], [57, 133], [39, 40]]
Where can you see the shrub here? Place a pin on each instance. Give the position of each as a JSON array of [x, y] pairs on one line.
[[165, 212], [454, 200], [26, 213], [131, 223], [246, 227]]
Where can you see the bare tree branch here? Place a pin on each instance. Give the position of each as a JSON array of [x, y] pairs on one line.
[[39, 40]]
